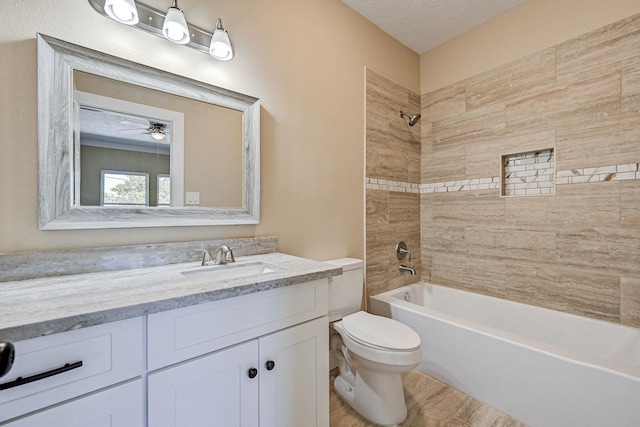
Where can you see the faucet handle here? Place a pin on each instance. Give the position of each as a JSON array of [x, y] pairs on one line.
[[401, 251], [206, 257], [229, 255]]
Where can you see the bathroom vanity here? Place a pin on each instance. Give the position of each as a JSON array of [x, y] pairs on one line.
[[170, 345]]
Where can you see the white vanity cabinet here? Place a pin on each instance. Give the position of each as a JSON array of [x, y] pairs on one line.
[[259, 359], [73, 364], [121, 406], [255, 360]]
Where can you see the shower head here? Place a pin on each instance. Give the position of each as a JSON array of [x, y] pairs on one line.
[[413, 118]]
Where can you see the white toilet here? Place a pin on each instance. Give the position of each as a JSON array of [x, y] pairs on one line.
[[371, 351]]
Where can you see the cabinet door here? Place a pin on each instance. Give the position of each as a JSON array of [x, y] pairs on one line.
[[294, 388], [214, 390], [121, 406]]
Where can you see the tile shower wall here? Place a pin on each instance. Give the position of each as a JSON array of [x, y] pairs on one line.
[[392, 183], [577, 250]]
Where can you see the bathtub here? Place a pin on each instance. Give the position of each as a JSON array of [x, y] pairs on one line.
[[543, 367]]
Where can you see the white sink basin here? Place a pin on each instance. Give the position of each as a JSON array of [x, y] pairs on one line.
[[231, 271]]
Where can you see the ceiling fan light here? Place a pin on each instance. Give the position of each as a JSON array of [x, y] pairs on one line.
[[158, 135], [123, 11], [220, 47], [175, 27]]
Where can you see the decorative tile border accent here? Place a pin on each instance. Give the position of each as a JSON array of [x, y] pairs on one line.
[[601, 174], [563, 177], [528, 174], [461, 185], [388, 185]]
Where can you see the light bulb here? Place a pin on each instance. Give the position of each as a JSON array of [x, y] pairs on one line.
[[175, 27], [220, 47], [123, 11]]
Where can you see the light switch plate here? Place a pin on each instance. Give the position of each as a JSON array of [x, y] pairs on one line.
[[193, 197]]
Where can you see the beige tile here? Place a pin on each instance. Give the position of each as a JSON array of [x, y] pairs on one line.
[[536, 284], [468, 207], [572, 205], [572, 104], [482, 123], [443, 237], [442, 103], [484, 160], [512, 243], [531, 74], [630, 203], [591, 293], [404, 208], [445, 164], [630, 301], [613, 141], [610, 47], [377, 209], [631, 89], [476, 274], [393, 147], [613, 251]]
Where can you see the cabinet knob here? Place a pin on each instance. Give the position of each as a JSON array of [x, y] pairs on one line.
[[270, 365], [252, 373], [7, 356]]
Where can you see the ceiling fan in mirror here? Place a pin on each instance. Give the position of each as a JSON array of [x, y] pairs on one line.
[[156, 130]]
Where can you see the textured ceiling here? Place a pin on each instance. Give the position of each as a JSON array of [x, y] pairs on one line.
[[424, 24]]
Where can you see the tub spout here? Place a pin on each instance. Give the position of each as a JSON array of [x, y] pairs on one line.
[[409, 269]]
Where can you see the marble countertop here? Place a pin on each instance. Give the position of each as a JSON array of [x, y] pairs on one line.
[[36, 307]]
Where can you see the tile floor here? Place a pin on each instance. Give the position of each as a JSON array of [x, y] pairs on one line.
[[430, 403]]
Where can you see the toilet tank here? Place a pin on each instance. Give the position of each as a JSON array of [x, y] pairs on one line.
[[345, 291]]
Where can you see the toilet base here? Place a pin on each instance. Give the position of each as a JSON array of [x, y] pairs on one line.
[[376, 396]]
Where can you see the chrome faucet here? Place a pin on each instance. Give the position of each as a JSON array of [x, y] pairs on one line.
[[409, 269], [224, 255]]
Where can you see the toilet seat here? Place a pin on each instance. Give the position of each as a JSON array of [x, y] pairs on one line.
[[380, 333]]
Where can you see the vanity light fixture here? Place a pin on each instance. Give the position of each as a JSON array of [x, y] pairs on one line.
[[123, 11], [220, 47], [175, 27], [171, 25]]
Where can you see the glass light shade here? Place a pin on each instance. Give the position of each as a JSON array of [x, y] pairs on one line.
[[220, 47], [123, 11], [175, 27], [158, 135]]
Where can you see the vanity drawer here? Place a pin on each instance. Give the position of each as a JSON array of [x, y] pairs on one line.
[[177, 335], [109, 354], [121, 406]]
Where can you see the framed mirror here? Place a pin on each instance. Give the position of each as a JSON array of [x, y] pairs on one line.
[[186, 153]]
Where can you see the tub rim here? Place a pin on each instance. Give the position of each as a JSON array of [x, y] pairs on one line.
[[630, 372]]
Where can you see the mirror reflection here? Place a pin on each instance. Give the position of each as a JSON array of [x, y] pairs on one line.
[[148, 140]]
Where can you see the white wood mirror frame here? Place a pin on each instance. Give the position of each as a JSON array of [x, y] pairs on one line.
[[56, 208]]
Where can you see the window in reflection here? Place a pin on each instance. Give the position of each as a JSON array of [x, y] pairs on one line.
[[118, 188]]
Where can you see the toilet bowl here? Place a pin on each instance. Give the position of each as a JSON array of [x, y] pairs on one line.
[[371, 351]]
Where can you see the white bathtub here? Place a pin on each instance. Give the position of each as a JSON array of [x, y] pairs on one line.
[[543, 367]]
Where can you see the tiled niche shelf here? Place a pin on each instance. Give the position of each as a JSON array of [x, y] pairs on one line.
[[528, 174]]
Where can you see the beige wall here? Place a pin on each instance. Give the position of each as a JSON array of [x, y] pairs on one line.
[[577, 250], [304, 59], [528, 28]]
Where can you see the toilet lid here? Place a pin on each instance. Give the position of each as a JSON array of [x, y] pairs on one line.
[[382, 332]]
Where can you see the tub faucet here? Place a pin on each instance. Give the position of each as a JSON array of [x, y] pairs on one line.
[[224, 255], [409, 269]]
